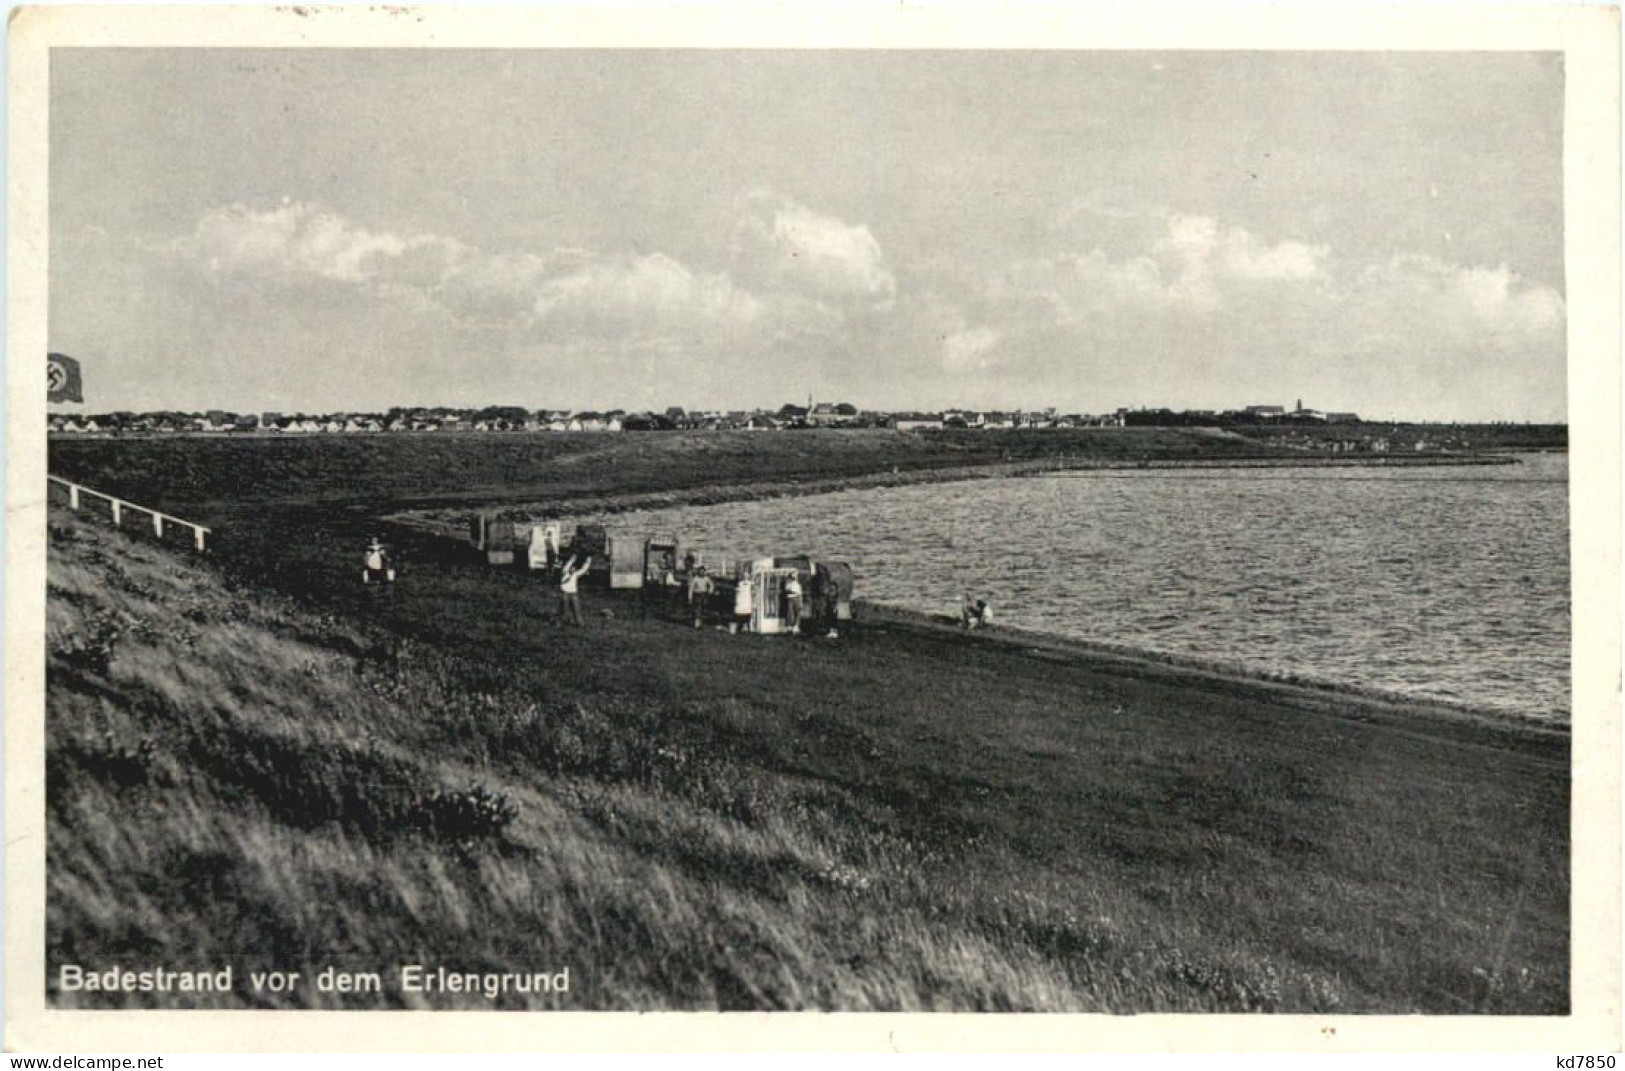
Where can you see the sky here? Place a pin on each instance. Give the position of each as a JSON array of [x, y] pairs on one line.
[[312, 230]]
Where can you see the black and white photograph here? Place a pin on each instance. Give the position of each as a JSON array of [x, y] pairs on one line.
[[542, 526]]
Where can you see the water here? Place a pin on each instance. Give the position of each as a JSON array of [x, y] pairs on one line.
[[1446, 583]]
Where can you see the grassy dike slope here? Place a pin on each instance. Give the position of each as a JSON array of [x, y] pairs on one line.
[[399, 471], [904, 818]]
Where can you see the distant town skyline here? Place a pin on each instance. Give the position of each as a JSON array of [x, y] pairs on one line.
[[82, 408], [865, 416], [326, 230]]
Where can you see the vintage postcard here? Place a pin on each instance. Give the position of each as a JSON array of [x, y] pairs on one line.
[[899, 526]]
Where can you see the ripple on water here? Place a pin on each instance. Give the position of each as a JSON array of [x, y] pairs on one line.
[[1449, 584]]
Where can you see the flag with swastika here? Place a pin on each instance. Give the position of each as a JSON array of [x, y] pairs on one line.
[[63, 381]]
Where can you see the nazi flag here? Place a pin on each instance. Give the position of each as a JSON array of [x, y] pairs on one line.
[[62, 379]]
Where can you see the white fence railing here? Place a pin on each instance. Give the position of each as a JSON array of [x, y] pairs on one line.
[[77, 492]]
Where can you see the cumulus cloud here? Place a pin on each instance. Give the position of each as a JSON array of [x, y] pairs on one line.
[[1137, 296], [1205, 262], [1115, 306], [1200, 248], [1241, 256], [789, 245], [1173, 263], [619, 296], [1473, 300], [647, 293], [803, 271], [296, 239], [497, 286], [1168, 263]]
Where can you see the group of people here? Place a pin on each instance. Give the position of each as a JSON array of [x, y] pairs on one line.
[[974, 612], [698, 594], [701, 594], [378, 567], [702, 591]]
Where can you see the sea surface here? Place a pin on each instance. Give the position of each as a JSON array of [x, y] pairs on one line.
[[1450, 583]]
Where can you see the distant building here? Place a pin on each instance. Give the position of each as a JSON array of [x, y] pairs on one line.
[[916, 421], [963, 418], [650, 422]]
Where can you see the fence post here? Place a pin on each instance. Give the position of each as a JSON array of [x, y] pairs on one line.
[[199, 533]]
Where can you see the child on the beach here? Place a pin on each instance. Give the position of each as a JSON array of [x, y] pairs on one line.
[[744, 606], [700, 588]]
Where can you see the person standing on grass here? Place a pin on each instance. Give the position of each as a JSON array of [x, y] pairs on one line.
[[569, 597], [831, 603], [744, 606], [792, 604], [377, 564], [700, 588], [673, 587], [975, 613]]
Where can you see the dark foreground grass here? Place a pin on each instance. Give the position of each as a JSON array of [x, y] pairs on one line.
[[904, 818]]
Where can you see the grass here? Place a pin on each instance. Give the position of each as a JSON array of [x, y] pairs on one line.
[[905, 819], [400, 471]]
